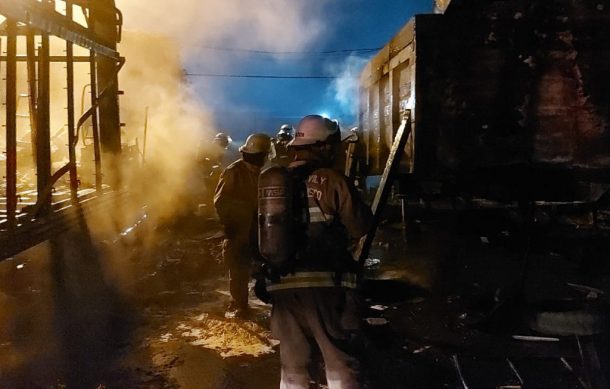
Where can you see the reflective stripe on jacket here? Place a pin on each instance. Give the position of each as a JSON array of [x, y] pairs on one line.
[[313, 280], [336, 217]]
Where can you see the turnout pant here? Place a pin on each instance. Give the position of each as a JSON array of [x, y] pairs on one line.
[[238, 258], [327, 317]]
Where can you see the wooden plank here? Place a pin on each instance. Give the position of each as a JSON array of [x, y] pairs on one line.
[[95, 124], [11, 125], [52, 58], [32, 60], [31, 233], [385, 186], [70, 109], [43, 133]]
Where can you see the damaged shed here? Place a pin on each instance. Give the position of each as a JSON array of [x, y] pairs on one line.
[[510, 100]]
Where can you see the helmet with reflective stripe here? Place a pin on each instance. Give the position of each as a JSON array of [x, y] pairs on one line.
[[257, 143], [315, 129]]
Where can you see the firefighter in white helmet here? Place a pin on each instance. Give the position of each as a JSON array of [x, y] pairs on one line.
[[221, 153], [213, 157], [315, 302], [280, 145], [235, 200], [221, 139]]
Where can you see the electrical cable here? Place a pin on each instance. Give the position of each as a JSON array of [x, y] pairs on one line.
[[271, 52], [267, 76]]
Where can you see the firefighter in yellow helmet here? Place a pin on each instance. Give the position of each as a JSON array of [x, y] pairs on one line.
[[235, 200], [314, 301]]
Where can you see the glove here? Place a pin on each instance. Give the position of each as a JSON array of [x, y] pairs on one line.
[[266, 271], [260, 290]]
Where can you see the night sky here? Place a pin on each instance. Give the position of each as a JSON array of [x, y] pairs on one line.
[[264, 104]]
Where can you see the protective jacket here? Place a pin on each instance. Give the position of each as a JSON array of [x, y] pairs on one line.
[[236, 201], [236, 206], [335, 217]]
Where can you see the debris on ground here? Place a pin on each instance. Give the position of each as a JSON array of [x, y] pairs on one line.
[[421, 349], [379, 307], [529, 338], [376, 321], [230, 338]]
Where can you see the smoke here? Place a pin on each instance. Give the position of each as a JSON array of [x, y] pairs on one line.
[[159, 43], [266, 25], [345, 88], [163, 119]]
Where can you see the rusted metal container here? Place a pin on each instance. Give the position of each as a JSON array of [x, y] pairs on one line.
[[510, 100]]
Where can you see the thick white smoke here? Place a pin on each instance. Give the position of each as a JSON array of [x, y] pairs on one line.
[[345, 88], [162, 39], [273, 25]]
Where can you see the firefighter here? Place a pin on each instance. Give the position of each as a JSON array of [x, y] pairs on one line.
[[222, 140], [284, 135], [235, 200], [212, 157], [212, 160], [222, 153], [315, 301], [280, 143]]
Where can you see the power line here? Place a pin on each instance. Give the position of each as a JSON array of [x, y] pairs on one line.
[[267, 76], [271, 52]]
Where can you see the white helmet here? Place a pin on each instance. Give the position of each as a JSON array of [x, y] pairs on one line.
[[222, 139], [315, 129], [257, 143]]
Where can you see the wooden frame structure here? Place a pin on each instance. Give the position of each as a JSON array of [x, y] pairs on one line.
[[27, 27]]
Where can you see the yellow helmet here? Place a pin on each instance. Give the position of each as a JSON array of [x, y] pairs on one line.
[[257, 143]]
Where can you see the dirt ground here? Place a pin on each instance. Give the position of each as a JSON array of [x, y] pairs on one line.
[[443, 303]]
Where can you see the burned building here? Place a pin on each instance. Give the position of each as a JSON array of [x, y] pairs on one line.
[[56, 158], [509, 100]]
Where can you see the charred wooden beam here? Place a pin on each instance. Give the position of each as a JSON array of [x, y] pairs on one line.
[[385, 185], [11, 125], [52, 58], [43, 133], [32, 87], [64, 217], [95, 124], [47, 20], [104, 24], [70, 109]]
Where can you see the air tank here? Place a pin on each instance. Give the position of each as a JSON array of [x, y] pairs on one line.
[[275, 215]]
